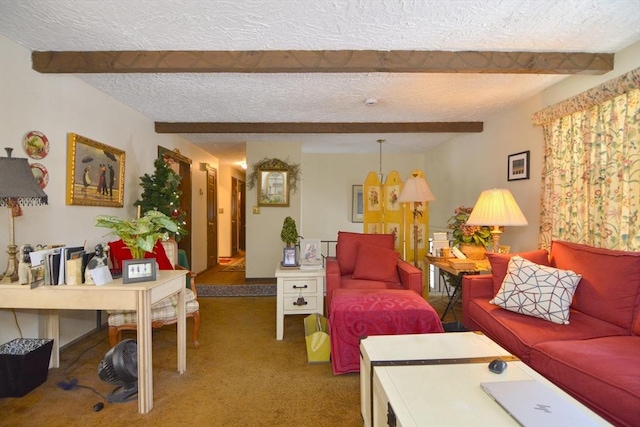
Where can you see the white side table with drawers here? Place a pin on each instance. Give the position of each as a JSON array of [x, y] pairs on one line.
[[299, 292]]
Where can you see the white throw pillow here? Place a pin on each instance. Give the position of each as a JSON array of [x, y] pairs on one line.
[[537, 290]]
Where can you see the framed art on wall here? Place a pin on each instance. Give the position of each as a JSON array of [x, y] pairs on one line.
[[138, 270], [273, 187], [518, 166], [95, 173], [357, 204]]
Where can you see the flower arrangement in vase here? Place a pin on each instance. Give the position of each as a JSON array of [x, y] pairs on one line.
[[463, 234]]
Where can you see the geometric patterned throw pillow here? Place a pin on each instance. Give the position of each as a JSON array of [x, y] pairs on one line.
[[537, 290]]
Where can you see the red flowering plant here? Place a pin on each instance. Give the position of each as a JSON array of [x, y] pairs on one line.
[[463, 233]]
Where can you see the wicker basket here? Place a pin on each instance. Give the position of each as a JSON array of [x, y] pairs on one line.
[[432, 258]]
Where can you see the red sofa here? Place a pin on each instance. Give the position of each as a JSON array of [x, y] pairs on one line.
[[368, 261], [596, 356]]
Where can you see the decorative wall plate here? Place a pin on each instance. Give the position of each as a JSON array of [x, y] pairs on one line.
[[40, 173], [36, 145]]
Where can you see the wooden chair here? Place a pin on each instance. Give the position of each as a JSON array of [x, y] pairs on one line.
[[163, 312]]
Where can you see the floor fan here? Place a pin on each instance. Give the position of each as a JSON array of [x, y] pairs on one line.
[[120, 366]]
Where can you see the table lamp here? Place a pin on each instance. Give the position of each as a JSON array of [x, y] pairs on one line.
[[496, 208], [17, 186], [415, 191]]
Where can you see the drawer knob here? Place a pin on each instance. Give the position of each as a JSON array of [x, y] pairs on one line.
[[300, 301], [300, 287]]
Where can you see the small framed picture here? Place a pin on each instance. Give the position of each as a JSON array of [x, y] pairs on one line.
[[518, 166], [289, 257], [357, 206], [138, 270], [310, 253], [503, 249]]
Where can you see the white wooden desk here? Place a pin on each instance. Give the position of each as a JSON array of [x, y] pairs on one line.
[[112, 296]]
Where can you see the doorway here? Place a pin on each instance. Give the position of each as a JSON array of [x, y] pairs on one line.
[[212, 217], [238, 222], [182, 166]]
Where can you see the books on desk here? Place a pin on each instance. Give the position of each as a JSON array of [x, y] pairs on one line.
[[311, 267], [54, 262], [310, 264]]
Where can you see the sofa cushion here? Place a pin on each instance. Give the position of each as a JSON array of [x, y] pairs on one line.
[[610, 285], [347, 247], [518, 333], [602, 372], [537, 290], [120, 252], [376, 263], [499, 263]]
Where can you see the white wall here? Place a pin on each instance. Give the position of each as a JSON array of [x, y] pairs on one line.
[[264, 246], [322, 205], [327, 188], [463, 167], [57, 105]]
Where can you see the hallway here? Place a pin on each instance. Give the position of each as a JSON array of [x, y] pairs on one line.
[[217, 275]]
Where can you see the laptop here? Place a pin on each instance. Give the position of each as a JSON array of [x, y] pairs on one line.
[[531, 403]]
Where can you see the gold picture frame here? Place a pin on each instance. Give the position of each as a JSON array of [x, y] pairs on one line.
[[95, 173], [273, 187]]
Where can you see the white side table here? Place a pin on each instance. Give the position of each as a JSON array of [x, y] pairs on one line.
[[299, 292]]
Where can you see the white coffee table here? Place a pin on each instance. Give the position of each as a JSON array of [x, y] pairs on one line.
[[445, 388]]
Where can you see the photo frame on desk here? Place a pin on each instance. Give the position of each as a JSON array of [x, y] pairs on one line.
[[289, 257], [138, 270], [310, 250]]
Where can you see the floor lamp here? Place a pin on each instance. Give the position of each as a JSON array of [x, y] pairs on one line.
[[496, 208], [17, 186], [416, 191]]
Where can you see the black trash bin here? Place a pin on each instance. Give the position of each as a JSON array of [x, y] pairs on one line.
[[24, 365]]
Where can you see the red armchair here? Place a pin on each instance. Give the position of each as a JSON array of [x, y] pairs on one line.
[[368, 261]]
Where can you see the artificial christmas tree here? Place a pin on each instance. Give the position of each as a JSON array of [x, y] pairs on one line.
[[162, 193]]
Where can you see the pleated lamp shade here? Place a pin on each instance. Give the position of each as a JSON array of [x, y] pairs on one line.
[[496, 207], [416, 190]]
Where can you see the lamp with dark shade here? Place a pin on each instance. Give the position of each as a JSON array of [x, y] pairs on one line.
[[18, 187], [415, 190], [496, 208]]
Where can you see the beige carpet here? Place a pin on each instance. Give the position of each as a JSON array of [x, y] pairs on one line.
[[240, 376]]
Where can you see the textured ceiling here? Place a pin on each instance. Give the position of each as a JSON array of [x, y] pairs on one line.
[[513, 25]]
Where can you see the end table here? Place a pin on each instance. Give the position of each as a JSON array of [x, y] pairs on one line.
[[300, 291]]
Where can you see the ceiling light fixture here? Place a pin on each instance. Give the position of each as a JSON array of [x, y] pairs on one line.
[[380, 174], [370, 102]]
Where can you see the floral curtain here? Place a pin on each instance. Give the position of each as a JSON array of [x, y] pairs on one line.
[[591, 170]]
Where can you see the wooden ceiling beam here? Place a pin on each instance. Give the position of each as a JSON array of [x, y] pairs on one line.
[[322, 61], [315, 127]]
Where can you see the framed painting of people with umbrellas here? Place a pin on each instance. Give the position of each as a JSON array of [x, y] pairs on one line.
[[95, 173]]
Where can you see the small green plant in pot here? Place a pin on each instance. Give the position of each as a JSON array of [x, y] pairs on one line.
[[139, 235], [289, 233]]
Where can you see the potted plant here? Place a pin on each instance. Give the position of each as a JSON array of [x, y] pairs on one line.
[[289, 233], [472, 239], [139, 235]]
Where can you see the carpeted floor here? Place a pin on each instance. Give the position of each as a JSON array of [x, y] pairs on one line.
[[239, 376]]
